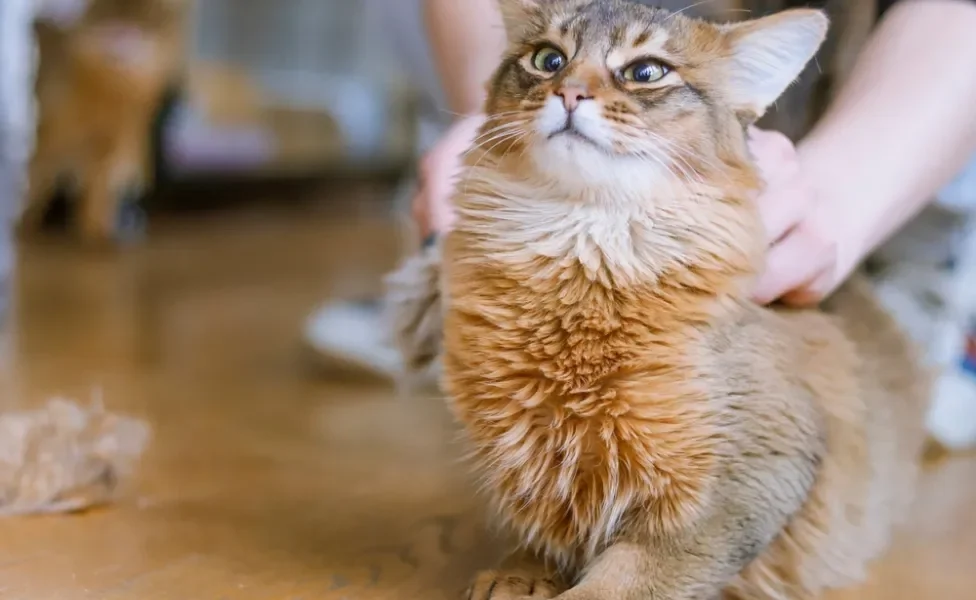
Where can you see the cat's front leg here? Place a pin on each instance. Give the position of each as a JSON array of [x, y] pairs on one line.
[[671, 569], [514, 585], [112, 183], [664, 570], [520, 576], [42, 183], [762, 489]]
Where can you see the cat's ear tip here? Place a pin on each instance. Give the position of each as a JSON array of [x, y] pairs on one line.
[[813, 18], [804, 23]]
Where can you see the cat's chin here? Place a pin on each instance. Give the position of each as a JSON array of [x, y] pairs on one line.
[[577, 161]]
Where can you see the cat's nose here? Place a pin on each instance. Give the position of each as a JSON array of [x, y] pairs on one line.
[[573, 95]]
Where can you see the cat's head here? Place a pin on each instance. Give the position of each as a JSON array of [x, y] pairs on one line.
[[592, 87]]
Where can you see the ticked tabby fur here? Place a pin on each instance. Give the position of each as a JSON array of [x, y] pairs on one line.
[[638, 421]]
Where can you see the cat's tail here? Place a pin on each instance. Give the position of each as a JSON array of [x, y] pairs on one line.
[[414, 311]]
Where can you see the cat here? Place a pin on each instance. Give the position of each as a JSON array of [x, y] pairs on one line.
[[100, 83], [637, 420]]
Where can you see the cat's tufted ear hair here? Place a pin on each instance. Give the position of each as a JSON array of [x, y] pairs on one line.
[[524, 16], [769, 54], [517, 15]]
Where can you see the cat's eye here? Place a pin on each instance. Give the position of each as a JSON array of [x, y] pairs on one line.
[[548, 59], [645, 71]]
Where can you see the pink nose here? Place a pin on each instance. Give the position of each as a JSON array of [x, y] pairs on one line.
[[572, 95]]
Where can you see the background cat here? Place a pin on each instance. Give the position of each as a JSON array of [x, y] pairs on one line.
[[100, 82]]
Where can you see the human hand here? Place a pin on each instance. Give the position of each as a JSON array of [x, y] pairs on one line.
[[802, 231], [432, 209]]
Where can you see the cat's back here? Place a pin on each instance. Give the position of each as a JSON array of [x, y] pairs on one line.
[[861, 373], [851, 340], [890, 363], [891, 380]]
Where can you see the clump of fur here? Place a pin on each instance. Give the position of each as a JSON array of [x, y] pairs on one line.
[[65, 458]]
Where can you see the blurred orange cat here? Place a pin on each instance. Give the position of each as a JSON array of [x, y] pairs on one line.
[[639, 421], [100, 83]]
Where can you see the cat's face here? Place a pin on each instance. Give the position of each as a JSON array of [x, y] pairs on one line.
[[584, 80]]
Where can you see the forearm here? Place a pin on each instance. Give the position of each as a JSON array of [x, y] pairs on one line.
[[904, 124], [467, 39]]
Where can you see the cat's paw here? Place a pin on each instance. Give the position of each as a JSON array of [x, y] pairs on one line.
[[130, 223], [491, 585]]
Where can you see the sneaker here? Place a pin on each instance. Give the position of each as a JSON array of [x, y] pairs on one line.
[[352, 336], [952, 418], [925, 276]]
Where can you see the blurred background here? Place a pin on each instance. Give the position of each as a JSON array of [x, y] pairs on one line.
[[174, 124], [198, 203]]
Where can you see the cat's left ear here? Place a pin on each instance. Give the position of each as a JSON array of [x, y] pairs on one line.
[[518, 15], [769, 54]]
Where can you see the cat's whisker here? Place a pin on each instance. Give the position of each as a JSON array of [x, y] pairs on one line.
[[483, 148], [448, 111], [496, 135], [507, 113], [499, 129], [677, 153], [509, 135], [496, 129], [681, 170], [525, 148], [686, 9], [681, 153], [703, 2]]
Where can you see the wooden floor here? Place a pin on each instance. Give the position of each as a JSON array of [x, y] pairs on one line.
[[268, 480]]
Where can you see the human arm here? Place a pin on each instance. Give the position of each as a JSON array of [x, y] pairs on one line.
[[467, 39], [899, 130]]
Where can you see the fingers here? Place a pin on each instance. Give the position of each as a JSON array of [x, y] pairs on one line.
[[786, 198], [812, 293], [431, 205], [801, 265], [771, 149], [784, 203], [432, 209], [800, 269]]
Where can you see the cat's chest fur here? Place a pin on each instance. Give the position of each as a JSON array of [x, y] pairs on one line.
[[579, 407]]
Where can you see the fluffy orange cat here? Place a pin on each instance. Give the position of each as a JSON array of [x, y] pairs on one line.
[[100, 82], [638, 421]]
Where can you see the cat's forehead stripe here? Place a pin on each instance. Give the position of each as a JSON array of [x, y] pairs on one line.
[[569, 23], [653, 44]]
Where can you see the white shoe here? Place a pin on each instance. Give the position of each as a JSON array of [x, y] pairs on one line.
[[352, 335], [952, 416]]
